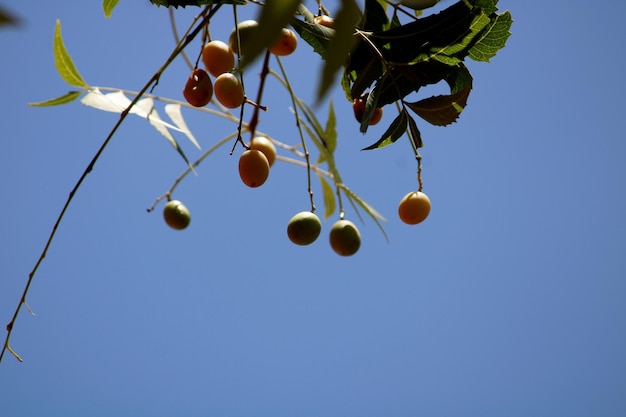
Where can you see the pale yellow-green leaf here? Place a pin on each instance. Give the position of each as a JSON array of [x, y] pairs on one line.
[[64, 99], [108, 6], [63, 62], [329, 197]]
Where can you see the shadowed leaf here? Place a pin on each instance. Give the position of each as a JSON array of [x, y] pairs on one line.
[[394, 132]]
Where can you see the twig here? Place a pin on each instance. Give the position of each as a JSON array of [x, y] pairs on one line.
[[150, 84]]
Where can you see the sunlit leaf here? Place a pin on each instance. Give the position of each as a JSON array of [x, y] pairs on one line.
[[329, 197], [493, 38], [330, 132], [173, 111], [394, 132], [371, 211], [108, 6], [63, 62], [64, 99]]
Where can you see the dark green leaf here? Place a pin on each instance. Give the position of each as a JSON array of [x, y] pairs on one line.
[[376, 19], [64, 99], [371, 103], [315, 35], [414, 134], [393, 132], [441, 110]]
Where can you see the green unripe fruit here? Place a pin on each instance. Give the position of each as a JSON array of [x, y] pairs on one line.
[[247, 31], [304, 228], [176, 215], [345, 238]]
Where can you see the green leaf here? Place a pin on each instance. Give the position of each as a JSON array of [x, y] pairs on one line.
[[63, 62], [108, 6], [64, 99], [493, 38], [330, 132], [394, 132], [329, 197], [312, 33], [272, 18], [441, 110], [340, 45], [371, 211], [414, 134]]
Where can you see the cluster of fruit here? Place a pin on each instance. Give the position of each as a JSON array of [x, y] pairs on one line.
[[254, 163]]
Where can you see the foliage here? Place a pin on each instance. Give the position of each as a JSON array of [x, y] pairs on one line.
[[381, 55]]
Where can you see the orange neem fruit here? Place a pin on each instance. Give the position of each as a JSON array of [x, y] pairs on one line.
[[286, 43], [266, 146], [254, 168], [414, 207], [218, 58], [228, 90]]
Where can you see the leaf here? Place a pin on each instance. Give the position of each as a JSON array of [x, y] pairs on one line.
[[312, 33], [272, 18], [441, 110], [64, 99], [340, 45], [173, 111], [395, 130], [117, 102], [63, 62], [371, 211], [493, 38], [330, 132], [414, 134], [371, 103], [329, 197], [108, 6]]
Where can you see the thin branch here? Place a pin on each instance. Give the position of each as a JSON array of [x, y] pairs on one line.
[[150, 84]]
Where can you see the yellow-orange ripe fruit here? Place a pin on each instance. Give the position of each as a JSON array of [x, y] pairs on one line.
[[253, 168], [414, 207], [217, 58]]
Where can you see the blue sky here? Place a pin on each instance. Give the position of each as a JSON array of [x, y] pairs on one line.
[[508, 300]]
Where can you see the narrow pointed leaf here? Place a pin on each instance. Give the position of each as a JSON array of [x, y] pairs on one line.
[[108, 6], [393, 132], [63, 62], [64, 99], [173, 111], [329, 197], [371, 211], [340, 45], [330, 131], [414, 134]]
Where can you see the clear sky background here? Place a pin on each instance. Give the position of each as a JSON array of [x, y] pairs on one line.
[[507, 301]]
